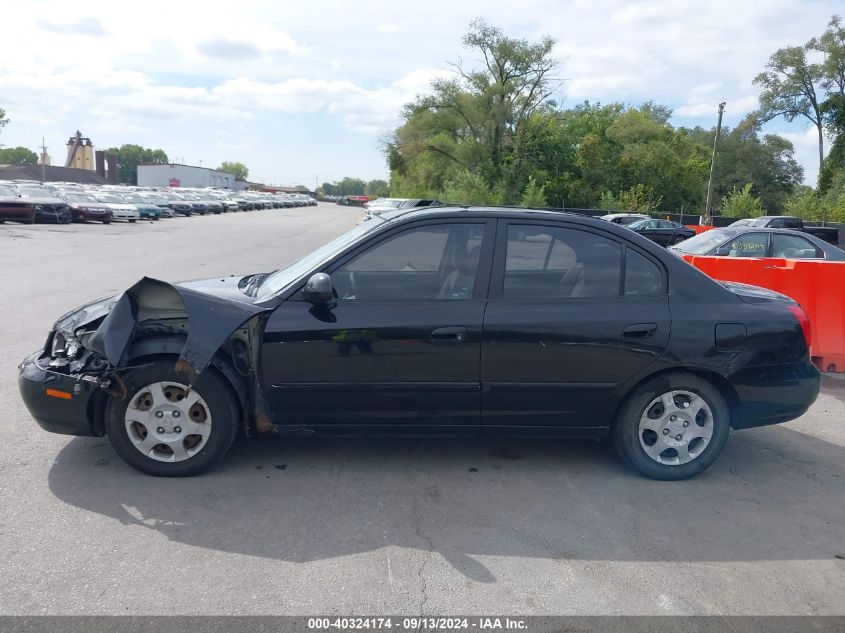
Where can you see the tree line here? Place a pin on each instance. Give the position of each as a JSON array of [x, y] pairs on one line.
[[356, 187], [495, 134]]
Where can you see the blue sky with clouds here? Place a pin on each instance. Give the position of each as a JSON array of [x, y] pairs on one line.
[[298, 90]]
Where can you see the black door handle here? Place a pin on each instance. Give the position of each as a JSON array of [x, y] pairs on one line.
[[448, 335], [640, 330]]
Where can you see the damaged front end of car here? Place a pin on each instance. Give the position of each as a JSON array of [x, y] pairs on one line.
[[67, 384]]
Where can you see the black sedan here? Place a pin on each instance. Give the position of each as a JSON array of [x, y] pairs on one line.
[[434, 320], [751, 241], [663, 232]]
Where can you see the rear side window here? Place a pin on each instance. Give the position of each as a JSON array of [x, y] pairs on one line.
[[560, 263], [642, 276], [793, 247]]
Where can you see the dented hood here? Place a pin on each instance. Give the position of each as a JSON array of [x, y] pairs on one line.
[[214, 309]]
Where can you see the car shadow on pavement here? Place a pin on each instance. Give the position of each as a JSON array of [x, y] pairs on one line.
[[774, 494]]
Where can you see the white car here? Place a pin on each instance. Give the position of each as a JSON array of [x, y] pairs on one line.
[[625, 218], [120, 209], [382, 205]]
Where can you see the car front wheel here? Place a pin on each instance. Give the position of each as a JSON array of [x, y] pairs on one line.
[[672, 427], [165, 428]]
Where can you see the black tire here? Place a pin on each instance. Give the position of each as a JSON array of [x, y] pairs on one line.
[[106, 221], [222, 405], [625, 432]]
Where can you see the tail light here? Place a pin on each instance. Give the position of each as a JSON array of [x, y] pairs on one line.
[[804, 321]]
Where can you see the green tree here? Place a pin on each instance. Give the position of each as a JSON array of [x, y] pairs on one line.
[[534, 196], [639, 199], [832, 203], [466, 143], [346, 187], [831, 44], [741, 203], [791, 88], [467, 187], [18, 156], [238, 170], [804, 204], [129, 156], [608, 202], [767, 161], [3, 119], [478, 120], [377, 188]]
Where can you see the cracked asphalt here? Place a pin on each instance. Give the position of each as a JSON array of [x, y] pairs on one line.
[[383, 526]]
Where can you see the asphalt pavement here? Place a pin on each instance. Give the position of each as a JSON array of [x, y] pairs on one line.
[[378, 526]]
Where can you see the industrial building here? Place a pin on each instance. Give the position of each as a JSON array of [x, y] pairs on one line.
[[81, 156], [175, 175]]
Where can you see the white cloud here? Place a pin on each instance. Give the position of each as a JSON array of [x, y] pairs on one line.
[[173, 71], [805, 138], [709, 109]]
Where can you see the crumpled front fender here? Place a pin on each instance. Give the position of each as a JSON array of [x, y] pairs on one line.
[[211, 320]]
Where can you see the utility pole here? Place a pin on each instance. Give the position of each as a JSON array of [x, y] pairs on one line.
[[708, 213], [43, 161]]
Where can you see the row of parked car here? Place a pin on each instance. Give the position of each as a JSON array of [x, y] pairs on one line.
[[385, 205], [61, 203], [768, 236]]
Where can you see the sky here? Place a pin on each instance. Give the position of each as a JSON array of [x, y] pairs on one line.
[[307, 91]]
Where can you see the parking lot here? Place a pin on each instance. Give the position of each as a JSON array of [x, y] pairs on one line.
[[400, 526]]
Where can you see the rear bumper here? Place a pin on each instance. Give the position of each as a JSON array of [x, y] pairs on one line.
[[775, 394], [70, 416]]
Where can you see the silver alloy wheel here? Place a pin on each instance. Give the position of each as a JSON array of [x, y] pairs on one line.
[[168, 422], [676, 427]]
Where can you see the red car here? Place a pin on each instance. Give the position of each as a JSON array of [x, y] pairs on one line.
[[84, 206], [14, 208]]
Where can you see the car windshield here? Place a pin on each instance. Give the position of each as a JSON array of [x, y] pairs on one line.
[[759, 222], [705, 242], [133, 198], [110, 198], [7, 193], [285, 276], [80, 197], [637, 224]]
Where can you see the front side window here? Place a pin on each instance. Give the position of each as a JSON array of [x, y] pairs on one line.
[[746, 245], [426, 263], [558, 263], [793, 247]]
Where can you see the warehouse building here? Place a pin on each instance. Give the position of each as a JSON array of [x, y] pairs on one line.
[[175, 175]]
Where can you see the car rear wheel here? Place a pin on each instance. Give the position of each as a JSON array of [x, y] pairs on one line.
[[165, 428], [672, 427]]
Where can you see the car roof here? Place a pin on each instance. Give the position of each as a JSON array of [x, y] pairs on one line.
[[513, 213]]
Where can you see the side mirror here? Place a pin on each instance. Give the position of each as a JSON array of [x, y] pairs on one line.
[[723, 251], [318, 288]]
